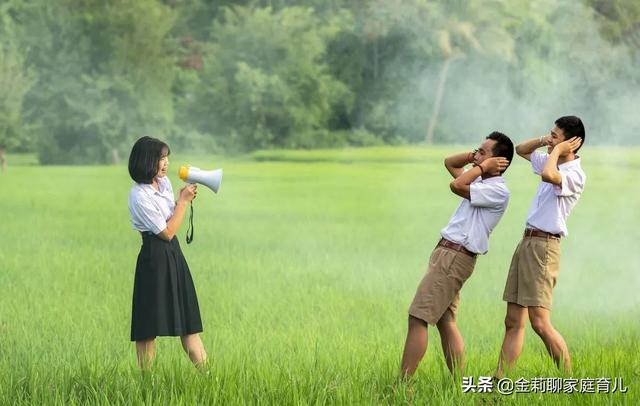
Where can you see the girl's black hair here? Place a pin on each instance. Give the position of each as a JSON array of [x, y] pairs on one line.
[[145, 157]]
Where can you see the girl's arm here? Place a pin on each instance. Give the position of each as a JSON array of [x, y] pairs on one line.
[[187, 194]]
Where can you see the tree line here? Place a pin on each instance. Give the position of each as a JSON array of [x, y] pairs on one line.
[[81, 79]]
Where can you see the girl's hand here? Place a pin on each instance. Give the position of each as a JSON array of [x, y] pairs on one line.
[[188, 193]]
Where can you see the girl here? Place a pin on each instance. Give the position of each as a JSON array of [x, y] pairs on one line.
[[164, 297]]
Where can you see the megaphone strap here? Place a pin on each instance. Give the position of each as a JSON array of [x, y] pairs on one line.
[[190, 228]]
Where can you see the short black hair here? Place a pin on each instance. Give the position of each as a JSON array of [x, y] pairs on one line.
[[503, 147], [571, 126], [145, 157]]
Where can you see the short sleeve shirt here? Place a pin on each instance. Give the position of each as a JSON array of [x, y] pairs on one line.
[[474, 219], [552, 204], [149, 208]]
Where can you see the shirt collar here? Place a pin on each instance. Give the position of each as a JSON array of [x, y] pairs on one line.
[[161, 187], [570, 164], [493, 179]]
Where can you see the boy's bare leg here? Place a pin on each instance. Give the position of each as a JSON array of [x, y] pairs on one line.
[[541, 322], [452, 343], [514, 323], [415, 346]]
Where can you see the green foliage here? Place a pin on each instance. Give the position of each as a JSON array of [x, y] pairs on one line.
[[620, 20], [386, 46], [105, 76], [259, 88], [82, 79], [16, 79]]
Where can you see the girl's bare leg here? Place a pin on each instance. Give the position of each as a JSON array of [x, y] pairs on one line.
[[192, 345], [146, 351]]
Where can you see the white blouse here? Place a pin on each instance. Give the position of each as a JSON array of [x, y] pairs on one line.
[[149, 208]]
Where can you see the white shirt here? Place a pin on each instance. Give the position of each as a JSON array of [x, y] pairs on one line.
[[474, 219], [149, 208], [553, 203]]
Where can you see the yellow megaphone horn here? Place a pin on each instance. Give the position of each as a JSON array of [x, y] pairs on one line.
[[210, 179]]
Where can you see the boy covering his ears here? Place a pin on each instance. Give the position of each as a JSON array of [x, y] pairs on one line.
[[484, 199]]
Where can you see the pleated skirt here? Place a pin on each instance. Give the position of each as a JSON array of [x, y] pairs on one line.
[[164, 296]]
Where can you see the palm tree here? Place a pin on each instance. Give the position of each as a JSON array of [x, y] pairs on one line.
[[472, 27], [450, 52]]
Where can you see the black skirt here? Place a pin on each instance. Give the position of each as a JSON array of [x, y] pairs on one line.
[[164, 297]]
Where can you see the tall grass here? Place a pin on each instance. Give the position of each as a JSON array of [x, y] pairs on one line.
[[304, 268]]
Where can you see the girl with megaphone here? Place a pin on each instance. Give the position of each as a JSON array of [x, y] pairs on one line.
[[164, 296]]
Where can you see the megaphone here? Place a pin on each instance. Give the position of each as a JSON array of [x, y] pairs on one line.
[[210, 179]]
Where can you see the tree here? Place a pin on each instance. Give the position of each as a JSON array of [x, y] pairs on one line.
[[619, 20], [264, 82], [15, 82], [106, 71], [461, 29], [380, 47]]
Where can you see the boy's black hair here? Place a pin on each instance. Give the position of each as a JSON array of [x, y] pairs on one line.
[[572, 127], [503, 147]]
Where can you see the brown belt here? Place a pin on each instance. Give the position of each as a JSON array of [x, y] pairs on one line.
[[530, 232], [455, 246]]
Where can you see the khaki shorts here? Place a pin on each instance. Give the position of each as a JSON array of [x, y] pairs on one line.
[[438, 294], [533, 272]]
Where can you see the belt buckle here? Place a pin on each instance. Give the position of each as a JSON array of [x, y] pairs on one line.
[[530, 232], [455, 246]]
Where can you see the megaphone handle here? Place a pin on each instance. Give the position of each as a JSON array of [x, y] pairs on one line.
[[190, 228]]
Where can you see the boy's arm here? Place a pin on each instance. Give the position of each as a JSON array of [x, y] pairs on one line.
[[550, 173], [526, 148], [462, 184], [455, 163]]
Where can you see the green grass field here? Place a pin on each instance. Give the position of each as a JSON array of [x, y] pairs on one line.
[[305, 264]]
